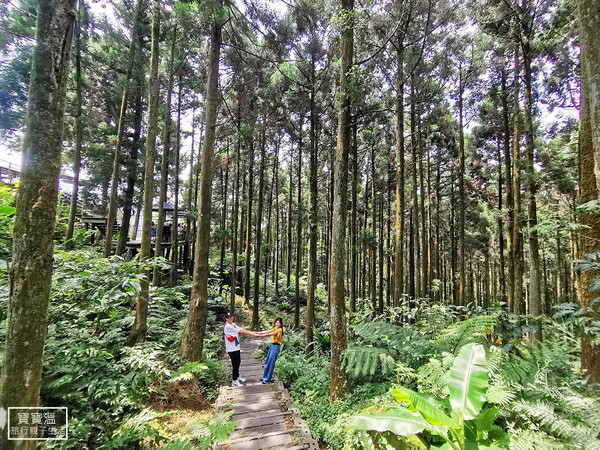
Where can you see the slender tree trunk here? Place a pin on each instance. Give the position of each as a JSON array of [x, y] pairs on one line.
[[424, 238], [132, 173], [416, 270], [519, 304], [31, 271], [535, 300], [249, 223], [259, 214], [338, 232], [461, 195], [289, 227], [175, 230], [277, 237], [115, 178], [224, 211], [502, 261], [193, 335], [313, 215], [69, 244], [399, 227], [354, 221], [510, 211], [298, 230], [164, 169], [380, 254], [270, 253], [234, 226], [189, 200], [140, 326]]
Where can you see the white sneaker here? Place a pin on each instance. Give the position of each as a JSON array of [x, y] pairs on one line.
[[241, 380], [236, 383]]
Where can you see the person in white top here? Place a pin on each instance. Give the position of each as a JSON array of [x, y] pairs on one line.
[[232, 347]]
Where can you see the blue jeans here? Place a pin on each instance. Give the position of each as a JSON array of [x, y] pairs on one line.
[[270, 362]]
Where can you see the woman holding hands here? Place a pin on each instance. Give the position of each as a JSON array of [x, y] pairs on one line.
[[274, 348]]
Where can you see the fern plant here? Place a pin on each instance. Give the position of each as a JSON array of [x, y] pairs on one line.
[[459, 420], [548, 396]]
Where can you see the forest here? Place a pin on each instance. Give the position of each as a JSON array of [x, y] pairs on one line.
[[412, 185]]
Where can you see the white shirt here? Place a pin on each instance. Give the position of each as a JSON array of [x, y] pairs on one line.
[[231, 329]]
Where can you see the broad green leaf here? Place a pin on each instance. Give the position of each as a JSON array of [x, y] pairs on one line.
[[468, 381], [485, 420], [397, 420], [429, 411]]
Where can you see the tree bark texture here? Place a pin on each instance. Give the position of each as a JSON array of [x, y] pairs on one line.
[[338, 229], [140, 326], [31, 271], [193, 334]]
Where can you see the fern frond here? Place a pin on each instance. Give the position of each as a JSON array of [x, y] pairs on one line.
[[361, 361], [467, 331], [499, 394], [532, 440]]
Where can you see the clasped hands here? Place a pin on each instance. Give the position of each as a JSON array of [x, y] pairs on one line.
[[259, 333]]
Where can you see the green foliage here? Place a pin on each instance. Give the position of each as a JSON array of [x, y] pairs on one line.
[[549, 396], [368, 361], [7, 212], [458, 419], [87, 367], [467, 331], [211, 378], [217, 430]]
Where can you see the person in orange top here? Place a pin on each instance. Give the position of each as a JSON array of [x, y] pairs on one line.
[[274, 348]]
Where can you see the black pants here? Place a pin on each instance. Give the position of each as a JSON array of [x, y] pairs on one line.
[[235, 364]]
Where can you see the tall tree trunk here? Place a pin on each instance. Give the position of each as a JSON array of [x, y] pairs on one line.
[[164, 168], [510, 217], [337, 388], [188, 201], [234, 226], [249, 222], [517, 239], [298, 229], [313, 217], [416, 269], [461, 193], [224, 211], [289, 225], [502, 262], [193, 335], [589, 236], [69, 244], [424, 238], [535, 300], [354, 221], [259, 214], [277, 237], [399, 227], [175, 231], [140, 326], [115, 178], [589, 24], [132, 173], [31, 271]]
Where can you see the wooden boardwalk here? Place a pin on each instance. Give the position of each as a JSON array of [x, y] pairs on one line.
[[266, 418]]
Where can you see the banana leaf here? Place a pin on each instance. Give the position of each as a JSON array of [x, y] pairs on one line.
[[397, 420], [428, 410], [468, 381]]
